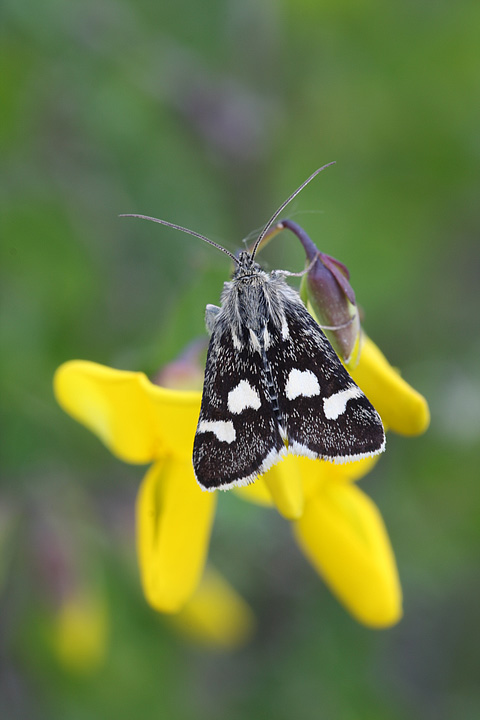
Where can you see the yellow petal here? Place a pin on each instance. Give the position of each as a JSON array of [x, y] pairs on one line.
[[402, 408], [174, 521], [137, 421], [353, 471], [315, 473], [342, 533], [215, 614], [284, 482], [80, 631], [257, 492]]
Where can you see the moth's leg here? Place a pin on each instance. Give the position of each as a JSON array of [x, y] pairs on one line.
[[287, 273]]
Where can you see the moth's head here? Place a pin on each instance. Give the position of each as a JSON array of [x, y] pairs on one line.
[[246, 266]]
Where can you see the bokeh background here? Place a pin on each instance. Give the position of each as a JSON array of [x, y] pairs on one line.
[[209, 114]]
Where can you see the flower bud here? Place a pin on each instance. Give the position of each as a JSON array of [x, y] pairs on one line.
[[328, 294]]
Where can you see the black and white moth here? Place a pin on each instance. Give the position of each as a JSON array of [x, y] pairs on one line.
[[273, 383]]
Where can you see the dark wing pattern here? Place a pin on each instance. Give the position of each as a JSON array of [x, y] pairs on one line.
[[237, 435], [324, 413]]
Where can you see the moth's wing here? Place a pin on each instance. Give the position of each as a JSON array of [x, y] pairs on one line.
[[237, 435], [325, 414]]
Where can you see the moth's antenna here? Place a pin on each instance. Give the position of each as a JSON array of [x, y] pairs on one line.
[[284, 205], [185, 230]]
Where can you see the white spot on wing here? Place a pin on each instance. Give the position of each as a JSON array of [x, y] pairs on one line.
[[242, 397], [222, 429], [336, 404], [301, 382], [285, 330]]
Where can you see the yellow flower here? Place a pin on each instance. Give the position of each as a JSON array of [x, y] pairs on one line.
[[338, 527], [215, 614], [80, 630], [341, 532]]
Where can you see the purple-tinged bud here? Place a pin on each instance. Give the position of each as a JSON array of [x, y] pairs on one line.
[[327, 292], [186, 371]]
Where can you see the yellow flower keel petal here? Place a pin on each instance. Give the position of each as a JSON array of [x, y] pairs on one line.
[[285, 485], [174, 521], [343, 535], [216, 615], [401, 407]]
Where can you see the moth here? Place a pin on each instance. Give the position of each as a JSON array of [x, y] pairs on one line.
[[273, 383]]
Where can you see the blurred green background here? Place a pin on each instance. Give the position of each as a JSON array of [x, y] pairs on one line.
[[209, 114]]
